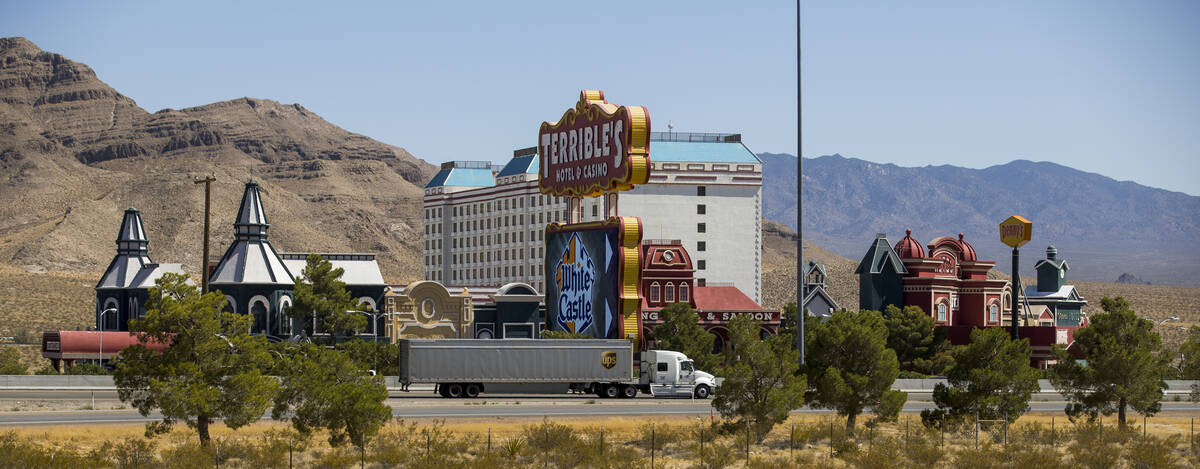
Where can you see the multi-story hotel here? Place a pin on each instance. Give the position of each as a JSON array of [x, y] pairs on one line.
[[485, 225]]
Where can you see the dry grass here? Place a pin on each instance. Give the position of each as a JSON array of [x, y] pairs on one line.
[[802, 441]]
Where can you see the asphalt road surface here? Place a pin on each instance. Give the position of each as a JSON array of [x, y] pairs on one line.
[[427, 405]]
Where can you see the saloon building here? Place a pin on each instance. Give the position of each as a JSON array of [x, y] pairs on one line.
[[669, 276], [485, 225]]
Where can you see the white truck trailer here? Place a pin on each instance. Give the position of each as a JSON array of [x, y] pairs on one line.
[[468, 367]]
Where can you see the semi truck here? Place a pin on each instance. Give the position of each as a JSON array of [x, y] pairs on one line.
[[468, 367]]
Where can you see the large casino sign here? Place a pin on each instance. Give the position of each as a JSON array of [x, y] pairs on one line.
[[596, 147]]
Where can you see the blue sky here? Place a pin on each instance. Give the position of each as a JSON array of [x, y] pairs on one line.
[[1102, 86]]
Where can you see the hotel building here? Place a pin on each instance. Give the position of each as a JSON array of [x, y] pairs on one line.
[[485, 225]]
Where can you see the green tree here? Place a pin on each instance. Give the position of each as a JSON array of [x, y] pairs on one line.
[[383, 357], [211, 370], [788, 324], [324, 388], [1124, 366], [916, 339], [10, 361], [761, 382], [321, 294], [1189, 351], [680, 331], [991, 378], [849, 366]]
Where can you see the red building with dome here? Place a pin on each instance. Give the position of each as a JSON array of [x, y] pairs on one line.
[[946, 279]]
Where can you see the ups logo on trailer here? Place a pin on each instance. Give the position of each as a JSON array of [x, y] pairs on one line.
[[608, 360]]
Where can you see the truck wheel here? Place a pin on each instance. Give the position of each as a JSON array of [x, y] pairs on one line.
[[702, 391], [441, 390], [472, 390], [628, 392], [611, 391], [454, 390]]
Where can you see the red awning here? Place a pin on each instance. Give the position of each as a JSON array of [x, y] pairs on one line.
[[86, 344]]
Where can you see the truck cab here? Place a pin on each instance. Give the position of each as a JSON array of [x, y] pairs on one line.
[[665, 374]]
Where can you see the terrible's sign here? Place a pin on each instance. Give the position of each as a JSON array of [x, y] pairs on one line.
[[595, 147], [592, 277], [1016, 231]]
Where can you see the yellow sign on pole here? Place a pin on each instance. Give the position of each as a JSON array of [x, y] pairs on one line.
[[1016, 231]]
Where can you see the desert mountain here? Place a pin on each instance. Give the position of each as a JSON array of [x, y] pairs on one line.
[[74, 153], [1103, 227]]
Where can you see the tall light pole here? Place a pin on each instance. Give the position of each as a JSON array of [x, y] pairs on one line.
[[207, 181], [1158, 324], [100, 353], [800, 287]]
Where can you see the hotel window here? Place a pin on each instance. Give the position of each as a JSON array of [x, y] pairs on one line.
[[669, 295], [595, 210], [701, 265], [700, 190], [700, 228], [941, 312], [994, 312], [700, 209], [683, 292], [701, 245], [654, 292]]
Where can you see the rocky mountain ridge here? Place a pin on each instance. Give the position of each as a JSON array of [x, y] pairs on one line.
[[74, 153]]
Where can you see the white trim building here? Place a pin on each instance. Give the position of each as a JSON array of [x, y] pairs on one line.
[[485, 225]]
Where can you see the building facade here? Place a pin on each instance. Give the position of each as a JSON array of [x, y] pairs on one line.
[[122, 291], [668, 277], [947, 281], [486, 225]]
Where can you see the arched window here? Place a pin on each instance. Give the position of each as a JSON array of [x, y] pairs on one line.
[[669, 295], [994, 312], [259, 311], [284, 322], [655, 290], [683, 292], [941, 312]]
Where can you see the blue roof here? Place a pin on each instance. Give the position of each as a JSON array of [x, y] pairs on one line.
[[705, 152], [522, 164], [462, 177]]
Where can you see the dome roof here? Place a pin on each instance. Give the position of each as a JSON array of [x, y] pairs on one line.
[[968, 251], [909, 248]]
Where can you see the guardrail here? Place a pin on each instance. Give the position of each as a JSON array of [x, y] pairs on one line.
[[105, 383]]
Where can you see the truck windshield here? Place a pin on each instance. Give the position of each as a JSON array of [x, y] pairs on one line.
[[687, 366]]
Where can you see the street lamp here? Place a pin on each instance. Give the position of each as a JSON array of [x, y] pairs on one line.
[[100, 353], [1158, 324]]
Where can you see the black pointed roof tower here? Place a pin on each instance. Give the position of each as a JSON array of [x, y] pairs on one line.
[[132, 253], [251, 259]]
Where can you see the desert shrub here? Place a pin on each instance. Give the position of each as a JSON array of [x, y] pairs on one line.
[[19, 452], [186, 454], [1095, 447], [133, 452], [1033, 455], [1152, 452], [337, 458], [87, 368], [660, 436], [880, 452], [809, 433], [924, 450], [716, 454], [987, 456]]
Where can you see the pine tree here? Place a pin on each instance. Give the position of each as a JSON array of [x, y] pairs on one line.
[[850, 368], [680, 331], [1124, 366], [324, 388], [916, 340], [212, 368], [321, 294], [991, 378], [761, 384]]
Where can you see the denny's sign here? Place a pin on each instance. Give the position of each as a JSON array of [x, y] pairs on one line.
[[595, 147], [1016, 231]]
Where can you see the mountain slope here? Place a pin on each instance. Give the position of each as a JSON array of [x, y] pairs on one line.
[[74, 153], [1102, 226]]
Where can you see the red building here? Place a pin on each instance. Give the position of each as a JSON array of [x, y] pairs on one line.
[[951, 283], [668, 276], [947, 280]]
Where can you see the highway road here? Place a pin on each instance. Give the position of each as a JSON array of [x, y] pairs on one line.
[[423, 405]]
